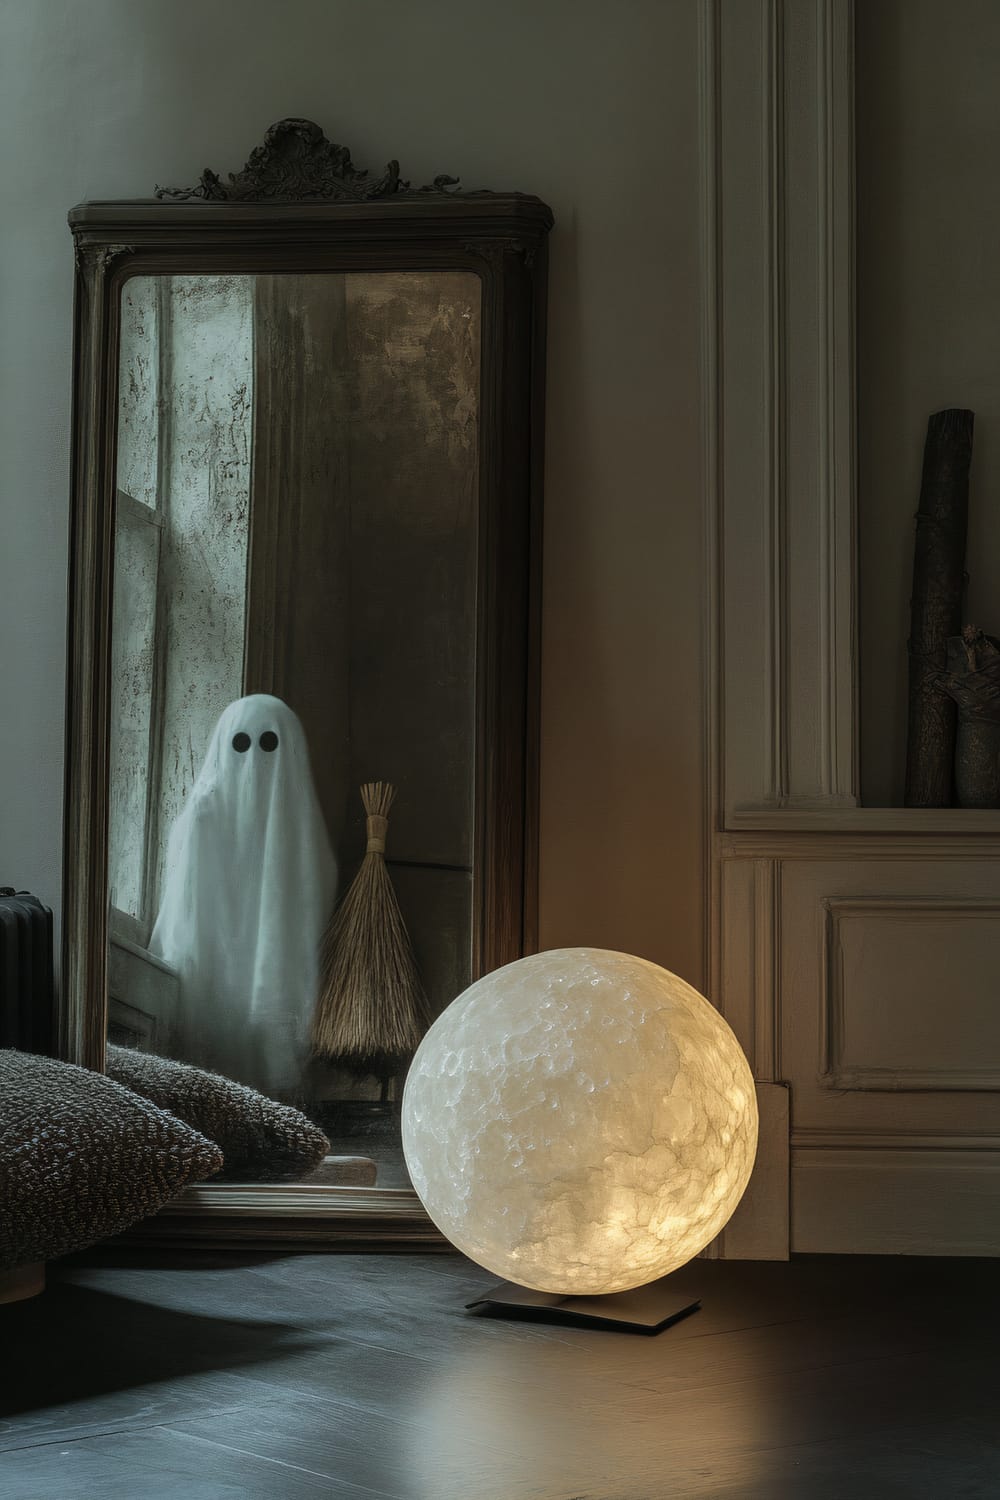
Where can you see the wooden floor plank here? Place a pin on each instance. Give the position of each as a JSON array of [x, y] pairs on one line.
[[408, 1458], [358, 1375], [79, 1360], [158, 1464], [949, 1462]]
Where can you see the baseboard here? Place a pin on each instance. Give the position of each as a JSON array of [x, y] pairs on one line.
[[884, 1201]]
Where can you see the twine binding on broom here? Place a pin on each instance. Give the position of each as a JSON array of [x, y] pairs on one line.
[[372, 1011]]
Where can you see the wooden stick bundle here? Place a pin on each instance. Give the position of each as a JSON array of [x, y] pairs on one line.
[[372, 1010], [936, 606]]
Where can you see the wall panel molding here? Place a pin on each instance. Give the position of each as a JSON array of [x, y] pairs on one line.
[[749, 962], [849, 845], [896, 1140], [766, 947], [898, 968], [786, 487], [708, 229], [777, 696], [889, 1021], [840, 736]]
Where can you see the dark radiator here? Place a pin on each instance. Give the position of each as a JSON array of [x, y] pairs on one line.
[[27, 995]]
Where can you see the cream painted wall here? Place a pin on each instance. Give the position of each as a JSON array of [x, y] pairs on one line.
[[589, 104], [928, 140]]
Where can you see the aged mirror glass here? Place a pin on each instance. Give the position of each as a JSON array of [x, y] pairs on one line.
[[305, 561], [294, 614]]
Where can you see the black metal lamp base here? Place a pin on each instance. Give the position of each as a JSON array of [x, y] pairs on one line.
[[645, 1309]]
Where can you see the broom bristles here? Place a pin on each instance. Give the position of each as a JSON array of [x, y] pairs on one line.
[[371, 1007]]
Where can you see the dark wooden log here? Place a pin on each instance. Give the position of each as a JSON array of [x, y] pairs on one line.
[[936, 606]]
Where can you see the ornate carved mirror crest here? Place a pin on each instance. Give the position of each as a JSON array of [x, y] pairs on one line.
[[305, 557], [297, 163]]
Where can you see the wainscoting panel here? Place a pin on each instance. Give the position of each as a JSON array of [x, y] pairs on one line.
[[889, 1038], [893, 1015], [863, 974], [888, 986]]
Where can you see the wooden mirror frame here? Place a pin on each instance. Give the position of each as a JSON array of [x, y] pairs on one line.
[[300, 205]]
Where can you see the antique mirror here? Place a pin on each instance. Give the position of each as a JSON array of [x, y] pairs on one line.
[[305, 558]]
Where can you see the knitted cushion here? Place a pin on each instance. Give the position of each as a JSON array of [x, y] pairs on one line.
[[261, 1140], [81, 1158]]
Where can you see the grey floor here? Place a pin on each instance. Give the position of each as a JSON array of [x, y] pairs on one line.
[[211, 1378]]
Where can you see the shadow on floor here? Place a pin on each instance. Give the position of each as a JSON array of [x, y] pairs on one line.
[[74, 1343]]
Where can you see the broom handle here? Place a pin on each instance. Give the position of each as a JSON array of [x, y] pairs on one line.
[[377, 829]]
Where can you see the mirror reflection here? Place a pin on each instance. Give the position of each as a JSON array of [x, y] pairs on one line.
[[294, 619]]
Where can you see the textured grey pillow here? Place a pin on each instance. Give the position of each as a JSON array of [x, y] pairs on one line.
[[261, 1140], [82, 1158]]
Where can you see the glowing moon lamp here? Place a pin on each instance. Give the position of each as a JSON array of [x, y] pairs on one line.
[[580, 1122]]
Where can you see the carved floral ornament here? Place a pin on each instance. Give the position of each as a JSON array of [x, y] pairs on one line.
[[102, 256], [297, 163]]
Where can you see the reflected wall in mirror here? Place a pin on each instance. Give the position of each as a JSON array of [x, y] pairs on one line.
[[294, 613]]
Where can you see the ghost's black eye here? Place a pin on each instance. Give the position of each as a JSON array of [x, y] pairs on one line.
[[269, 740], [241, 742]]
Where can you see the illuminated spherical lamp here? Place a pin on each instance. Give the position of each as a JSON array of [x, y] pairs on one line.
[[580, 1122]]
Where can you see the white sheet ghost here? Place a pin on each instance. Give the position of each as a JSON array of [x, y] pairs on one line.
[[248, 887]]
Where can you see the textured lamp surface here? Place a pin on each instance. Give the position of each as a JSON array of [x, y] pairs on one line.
[[580, 1121]]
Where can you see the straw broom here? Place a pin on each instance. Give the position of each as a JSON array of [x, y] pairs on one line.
[[371, 1011]]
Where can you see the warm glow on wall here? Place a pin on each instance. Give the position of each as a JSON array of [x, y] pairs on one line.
[[580, 1122]]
